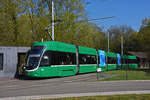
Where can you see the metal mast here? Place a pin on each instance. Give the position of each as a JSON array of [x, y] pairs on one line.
[[53, 20], [122, 44], [108, 42]]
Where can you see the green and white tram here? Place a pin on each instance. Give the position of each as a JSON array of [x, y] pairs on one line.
[[51, 59], [57, 59]]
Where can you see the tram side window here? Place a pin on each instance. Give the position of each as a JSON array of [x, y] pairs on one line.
[[63, 58], [132, 61], [58, 58], [124, 61], [112, 60], [87, 59]]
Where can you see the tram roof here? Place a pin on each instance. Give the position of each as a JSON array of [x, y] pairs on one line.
[[57, 46], [86, 50], [111, 54], [131, 57]]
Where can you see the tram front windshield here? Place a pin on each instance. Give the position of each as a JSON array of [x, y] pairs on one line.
[[34, 57]]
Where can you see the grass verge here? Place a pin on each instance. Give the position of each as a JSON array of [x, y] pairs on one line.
[[128, 75], [112, 97]]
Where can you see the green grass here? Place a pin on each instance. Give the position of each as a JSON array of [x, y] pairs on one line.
[[112, 97], [131, 75]]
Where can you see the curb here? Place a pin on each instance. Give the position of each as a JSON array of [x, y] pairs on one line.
[[75, 95], [125, 81]]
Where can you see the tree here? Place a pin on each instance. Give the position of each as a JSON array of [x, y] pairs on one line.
[[115, 38], [27, 19], [144, 35], [99, 38], [9, 12]]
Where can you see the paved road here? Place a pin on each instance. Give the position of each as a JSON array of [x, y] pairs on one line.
[[75, 84]]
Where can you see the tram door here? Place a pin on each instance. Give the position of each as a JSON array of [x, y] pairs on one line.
[[21, 62]]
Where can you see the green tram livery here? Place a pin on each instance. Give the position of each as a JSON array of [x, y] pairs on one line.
[[132, 62], [129, 62], [111, 61], [57, 59]]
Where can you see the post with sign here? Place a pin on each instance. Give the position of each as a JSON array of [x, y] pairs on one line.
[[98, 72], [119, 61], [102, 62]]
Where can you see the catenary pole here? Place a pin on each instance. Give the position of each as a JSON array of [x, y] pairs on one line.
[[122, 44], [53, 20], [108, 43]]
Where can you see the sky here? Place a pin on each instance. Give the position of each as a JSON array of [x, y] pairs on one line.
[[127, 12]]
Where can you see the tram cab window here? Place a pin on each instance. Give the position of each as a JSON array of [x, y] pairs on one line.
[[45, 61]]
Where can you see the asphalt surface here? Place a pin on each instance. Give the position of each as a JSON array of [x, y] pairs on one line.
[[79, 84]]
